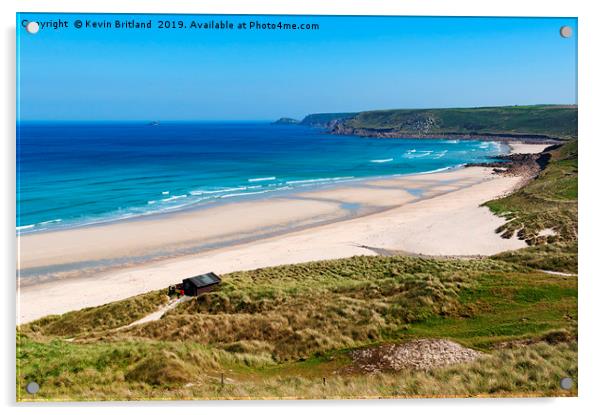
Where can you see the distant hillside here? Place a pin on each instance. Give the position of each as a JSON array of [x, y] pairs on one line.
[[537, 122], [323, 120], [286, 121]]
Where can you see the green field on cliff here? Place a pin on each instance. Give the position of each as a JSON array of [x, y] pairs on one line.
[[549, 121]]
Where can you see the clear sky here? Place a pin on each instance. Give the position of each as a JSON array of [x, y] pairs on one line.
[[349, 64]]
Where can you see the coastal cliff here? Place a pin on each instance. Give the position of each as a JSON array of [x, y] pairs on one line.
[[327, 120], [286, 121], [535, 123]]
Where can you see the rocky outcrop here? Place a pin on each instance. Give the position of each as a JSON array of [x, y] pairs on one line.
[[522, 165]]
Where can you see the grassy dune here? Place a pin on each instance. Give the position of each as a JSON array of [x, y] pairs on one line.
[[156, 370], [544, 214], [559, 256], [276, 332], [105, 317], [547, 202]]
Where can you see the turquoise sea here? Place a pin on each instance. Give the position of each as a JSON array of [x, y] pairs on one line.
[[73, 174]]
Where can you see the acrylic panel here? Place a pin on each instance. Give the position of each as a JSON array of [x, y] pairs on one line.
[[295, 207]]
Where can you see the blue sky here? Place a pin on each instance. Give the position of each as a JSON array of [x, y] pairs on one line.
[[349, 64]]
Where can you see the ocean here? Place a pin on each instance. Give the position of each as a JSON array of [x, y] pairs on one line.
[[74, 174]]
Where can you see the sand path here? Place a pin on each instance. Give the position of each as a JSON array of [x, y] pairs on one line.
[[160, 312]]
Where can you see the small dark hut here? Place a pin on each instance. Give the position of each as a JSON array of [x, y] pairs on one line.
[[194, 286]]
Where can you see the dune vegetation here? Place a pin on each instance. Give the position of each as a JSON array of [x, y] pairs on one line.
[[544, 214], [105, 317], [545, 209], [278, 332], [558, 257]]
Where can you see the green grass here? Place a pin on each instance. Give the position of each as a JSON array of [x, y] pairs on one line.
[[275, 332], [118, 371], [553, 121], [297, 311], [560, 256], [549, 202], [516, 306]]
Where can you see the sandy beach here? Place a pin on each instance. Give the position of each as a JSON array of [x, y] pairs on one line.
[[516, 148], [435, 214]]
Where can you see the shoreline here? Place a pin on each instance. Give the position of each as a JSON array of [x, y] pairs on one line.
[[444, 219], [62, 271], [60, 225], [61, 249], [328, 183]]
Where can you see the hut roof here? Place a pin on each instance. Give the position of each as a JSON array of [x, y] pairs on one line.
[[204, 280]]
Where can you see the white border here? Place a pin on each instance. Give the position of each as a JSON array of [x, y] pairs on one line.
[[590, 145]]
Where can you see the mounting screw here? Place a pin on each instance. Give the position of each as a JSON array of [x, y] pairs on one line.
[[32, 388], [566, 31], [566, 383], [32, 28]]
